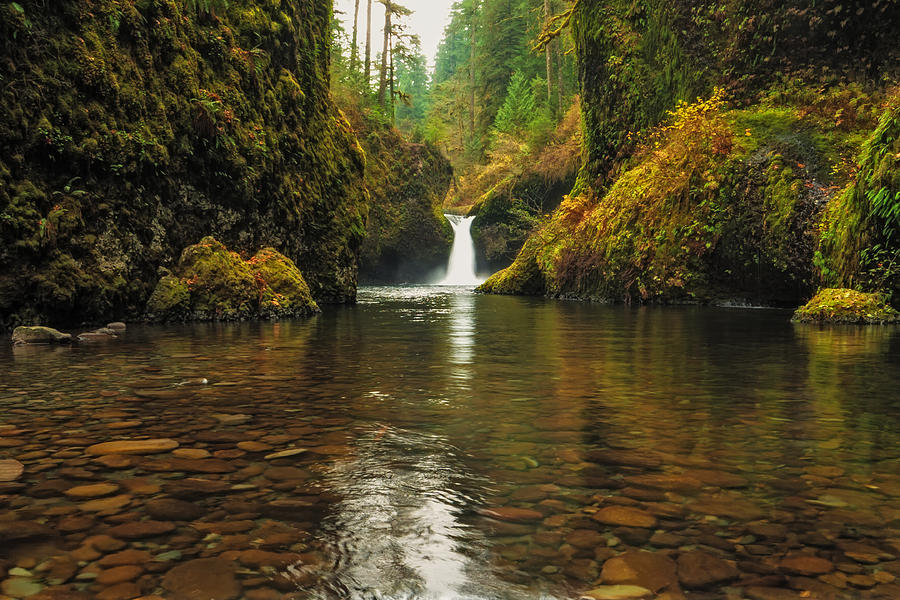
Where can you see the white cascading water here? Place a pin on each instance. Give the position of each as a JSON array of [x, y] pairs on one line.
[[461, 267]]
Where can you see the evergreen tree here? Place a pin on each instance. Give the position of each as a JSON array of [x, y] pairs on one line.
[[518, 108]]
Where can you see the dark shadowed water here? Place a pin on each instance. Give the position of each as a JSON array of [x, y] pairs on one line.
[[451, 445]]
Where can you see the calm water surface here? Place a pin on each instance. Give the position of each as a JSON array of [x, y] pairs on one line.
[[451, 445]]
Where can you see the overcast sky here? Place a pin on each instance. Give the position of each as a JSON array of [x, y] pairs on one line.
[[428, 20]]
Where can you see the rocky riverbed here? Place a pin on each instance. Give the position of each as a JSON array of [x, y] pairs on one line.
[[226, 466]]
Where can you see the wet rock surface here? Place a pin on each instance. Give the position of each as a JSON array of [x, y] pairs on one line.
[[39, 335]]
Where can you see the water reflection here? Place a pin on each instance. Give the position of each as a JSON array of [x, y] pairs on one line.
[[461, 335], [397, 532]]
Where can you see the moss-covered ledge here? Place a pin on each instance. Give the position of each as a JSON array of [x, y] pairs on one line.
[[212, 283], [848, 307]]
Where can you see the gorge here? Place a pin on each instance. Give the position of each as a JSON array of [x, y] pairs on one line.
[[308, 387]]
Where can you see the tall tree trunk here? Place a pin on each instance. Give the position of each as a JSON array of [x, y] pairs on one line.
[[547, 55], [385, 53], [354, 50], [472, 16], [391, 54], [368, 69], [560, 60]]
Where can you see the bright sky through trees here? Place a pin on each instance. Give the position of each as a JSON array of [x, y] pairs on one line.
[[428, 21]]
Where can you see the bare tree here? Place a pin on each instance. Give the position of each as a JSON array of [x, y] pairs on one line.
[[386, 51], [368, 69], [354, 50]]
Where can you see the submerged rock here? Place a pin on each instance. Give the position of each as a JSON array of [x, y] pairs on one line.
[[846, 306], [39, 335], [617, 592], [10, 470], [103, 334], [213, 283], [132, 447], [203, 578]]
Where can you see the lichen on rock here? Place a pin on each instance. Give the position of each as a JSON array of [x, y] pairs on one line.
[[212, 283], [845, 306]]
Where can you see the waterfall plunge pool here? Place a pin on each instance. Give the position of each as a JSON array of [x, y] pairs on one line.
[[434, 443]]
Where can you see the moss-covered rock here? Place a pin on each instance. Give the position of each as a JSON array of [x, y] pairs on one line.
[[131, 129], [846, 306], [284, 292], [407, 236], [37, 334], [211, 283]]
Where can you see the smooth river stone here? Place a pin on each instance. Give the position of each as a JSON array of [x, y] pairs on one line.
[[97, 490], [625, 458], [202, 579], [102, 505], [140, 529], [189, 465], [125, 557], [698, 569], [171, 509], [286, 453], [509, 513], [625, 516], [653, 571], [20, 587], [119, 574], [587, 539], [802, 564], [251, 446], [195, 488], [718, 478], [617, 592], [116, 461], [132, 447], [10, 470], [673, 483], [191, 453]]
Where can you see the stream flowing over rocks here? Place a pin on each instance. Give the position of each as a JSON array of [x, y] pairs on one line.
[[401, 449]]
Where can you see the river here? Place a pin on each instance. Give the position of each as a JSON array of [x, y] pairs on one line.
[[433, 443]]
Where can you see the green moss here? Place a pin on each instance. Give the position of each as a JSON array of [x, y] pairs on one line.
[[284, 291], [213, 283], [177, 124], [860, 241], [846, 306], [170, 298], [222, 285]]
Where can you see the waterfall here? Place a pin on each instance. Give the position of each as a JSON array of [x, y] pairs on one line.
[[461, 267]]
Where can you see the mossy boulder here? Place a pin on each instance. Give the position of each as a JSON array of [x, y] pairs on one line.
[[211, 283], [39, 335], [847, 306], [283, 290]]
